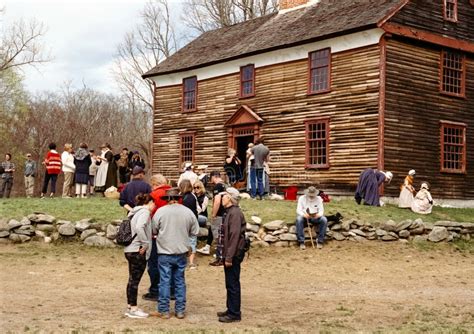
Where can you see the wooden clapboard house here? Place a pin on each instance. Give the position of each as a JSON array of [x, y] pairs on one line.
[[335, 87]]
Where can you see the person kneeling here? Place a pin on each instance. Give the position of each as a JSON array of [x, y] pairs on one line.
[[310, 210]]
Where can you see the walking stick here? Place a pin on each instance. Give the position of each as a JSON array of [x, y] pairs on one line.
[[310, 232]]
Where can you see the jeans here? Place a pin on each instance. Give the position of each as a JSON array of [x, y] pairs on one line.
[[6, 187], [136, 268], [153, 270], [202, 220], [256, 181], [232, 285], [322, 223], [172, 268], [53, 178]]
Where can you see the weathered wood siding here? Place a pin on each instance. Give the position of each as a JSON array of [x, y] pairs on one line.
[[414, 107], [428, 15], [282, 101]]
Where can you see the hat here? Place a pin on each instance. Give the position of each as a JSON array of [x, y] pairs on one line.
[[171, 194], [137, 170], [135, 152], [411, 172], [425, 185], [188, 165], [311, 192], [28, 155], [233, 193], [388, 176], [202, 166]]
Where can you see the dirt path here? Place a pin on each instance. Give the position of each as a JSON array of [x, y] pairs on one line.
[[343, 288]]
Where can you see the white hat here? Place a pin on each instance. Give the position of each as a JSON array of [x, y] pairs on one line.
[[411, 172], [425, 185], [188, 165], [202, 167], [388, 176]]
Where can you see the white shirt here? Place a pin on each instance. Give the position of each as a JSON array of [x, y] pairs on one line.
[[315, 206], [188, 175], [68, 162]]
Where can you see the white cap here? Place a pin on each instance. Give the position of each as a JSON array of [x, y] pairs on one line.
[[411, 172], [388, 176]]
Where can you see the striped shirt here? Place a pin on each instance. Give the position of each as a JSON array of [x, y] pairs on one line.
[[53, 162], [7, 165]]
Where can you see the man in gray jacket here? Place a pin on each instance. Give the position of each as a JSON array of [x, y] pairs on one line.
[[260, 153], [173, 224]]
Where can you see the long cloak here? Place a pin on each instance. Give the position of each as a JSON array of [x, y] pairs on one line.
[[368, 187]]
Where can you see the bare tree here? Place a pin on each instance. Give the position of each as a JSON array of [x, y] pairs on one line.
[[207, 15]]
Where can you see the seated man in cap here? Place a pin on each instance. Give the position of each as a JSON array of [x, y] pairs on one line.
[[310, 210], [133, 188]]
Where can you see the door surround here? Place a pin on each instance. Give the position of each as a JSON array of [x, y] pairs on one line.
[[244, 122]]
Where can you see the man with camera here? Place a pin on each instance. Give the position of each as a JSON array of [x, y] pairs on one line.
[[310, 211]]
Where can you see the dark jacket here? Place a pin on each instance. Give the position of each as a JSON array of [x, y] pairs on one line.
[[131, 190], [234, 232], [190, 201]]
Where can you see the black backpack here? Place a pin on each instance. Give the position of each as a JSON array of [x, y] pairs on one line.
[[124, 234], [246, 247]]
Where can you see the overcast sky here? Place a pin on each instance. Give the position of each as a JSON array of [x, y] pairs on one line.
[[82, 37]]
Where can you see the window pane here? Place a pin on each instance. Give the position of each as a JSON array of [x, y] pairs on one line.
[[453, 147], [316, 141]]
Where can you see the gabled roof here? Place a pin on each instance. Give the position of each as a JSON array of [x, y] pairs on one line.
[[245, 115], [275, 31]]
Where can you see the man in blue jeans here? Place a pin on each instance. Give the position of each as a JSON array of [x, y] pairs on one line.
[[173, 224], [310, 210], [260, 153]]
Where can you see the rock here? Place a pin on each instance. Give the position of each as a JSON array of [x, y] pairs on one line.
[[468, 226], [44, 219], [55, 236], [18, 238], [101, 234], [288, 237], [391, 236], [270, 238], [25, 230], [12, 224], [358, 238], [281, 244], [336, 227], [346, 226], [450, 238], [439, 233], [280, 231], [45, 228], [371, 235], [403, 225], [111, 231], [116, 222], [25, 221], [47, 240], [4, 234], [448, 223], [403, 241], [87, 233], [252, 227], [244, 196], [40, 234], [274, 225], [203, 232], [418, 230], [455, 235], [67, 229], [292, 229], [466, 237], [338, 236], [354, 226], [256, 220], [63, 222], [4, 241], [98, 241], [97, 226], [420, 238], [358, 232], [306, 233], [4, 225], [259, 244], [404, 234], [82, 225], [380, 232], [389, 226]]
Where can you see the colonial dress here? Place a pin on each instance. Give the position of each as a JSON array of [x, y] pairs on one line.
[[406, 193], [423, 202], [107, 172], [368, 187]]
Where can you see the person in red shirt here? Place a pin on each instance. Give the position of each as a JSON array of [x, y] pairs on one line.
[[159, 186], [52, 162]]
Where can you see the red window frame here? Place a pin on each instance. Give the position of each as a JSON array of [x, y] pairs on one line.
[[317, 144], [450, 10], [453, 147], [244, 80], [189, 96], [187, 144], [452, 73], [318, 62]]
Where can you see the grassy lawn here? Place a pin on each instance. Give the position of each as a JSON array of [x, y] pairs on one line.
[[104, 210]]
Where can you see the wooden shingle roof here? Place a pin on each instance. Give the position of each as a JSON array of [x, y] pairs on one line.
[[275, 31]]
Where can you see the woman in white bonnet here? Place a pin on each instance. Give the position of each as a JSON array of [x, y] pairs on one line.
[[407, 191], [423, 202]]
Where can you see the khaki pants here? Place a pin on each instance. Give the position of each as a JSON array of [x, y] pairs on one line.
[[29, 186], [68, 184]]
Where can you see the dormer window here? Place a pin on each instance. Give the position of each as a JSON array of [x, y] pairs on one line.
[[451, 10], [247, 81]]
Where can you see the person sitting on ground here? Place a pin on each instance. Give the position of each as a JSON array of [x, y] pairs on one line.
[[202, 174], [423, 202], [202, 203], [138, 251], [368, 186], [407, 191], [175, 225], [188, 174], [310, 211], [190, 201], [132, 189]]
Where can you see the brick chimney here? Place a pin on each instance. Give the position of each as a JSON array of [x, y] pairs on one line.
[[288, 4]]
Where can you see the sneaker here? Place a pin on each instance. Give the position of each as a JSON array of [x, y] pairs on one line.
[[136, 314], [149, 296], [319, 245], [217, 263], [159, 315], [51, 195], [206, 250], [180, 315], [193, 266], [302, 246], [228, 319]]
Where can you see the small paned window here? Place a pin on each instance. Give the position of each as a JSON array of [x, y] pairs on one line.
[[453, 147], [452, 73], [186, 147], [189, 94], [451, 10], [320, 71], [247, 81], [317, 143]]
